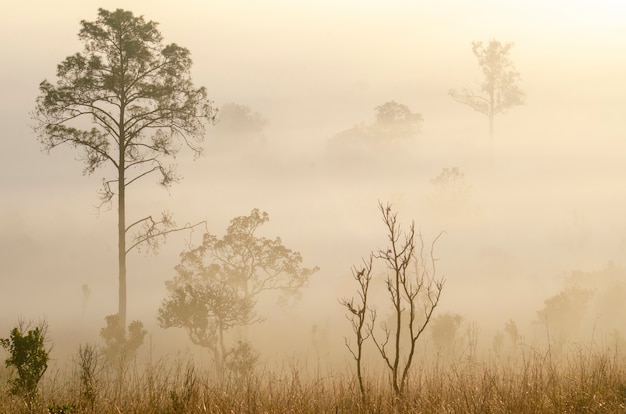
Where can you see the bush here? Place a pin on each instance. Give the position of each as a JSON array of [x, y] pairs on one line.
[[28, 355]]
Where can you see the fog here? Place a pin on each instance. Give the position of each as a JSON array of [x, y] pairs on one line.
[[549, 202]]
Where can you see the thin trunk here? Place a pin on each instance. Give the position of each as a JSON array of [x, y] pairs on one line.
[[121, 212], [358, 365], [121, 233], [492, 104], [222, 357], [121, 196], [490, 137], [398, 306]]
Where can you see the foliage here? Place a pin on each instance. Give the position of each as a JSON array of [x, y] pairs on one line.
[[206, 305], [120, 346], [242, 360], [217, 283], [29, 356], [138, 96]]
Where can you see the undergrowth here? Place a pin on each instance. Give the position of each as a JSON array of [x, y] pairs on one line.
[[533, 382]]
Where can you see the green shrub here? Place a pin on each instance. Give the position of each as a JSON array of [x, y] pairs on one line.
[[28, 355]]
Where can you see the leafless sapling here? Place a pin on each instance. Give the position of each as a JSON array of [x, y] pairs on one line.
[[413, 285], [358, 314]]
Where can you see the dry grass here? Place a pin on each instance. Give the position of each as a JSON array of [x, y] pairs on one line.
[[582, 382]]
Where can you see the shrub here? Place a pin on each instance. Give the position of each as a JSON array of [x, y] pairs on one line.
[[28, 355]]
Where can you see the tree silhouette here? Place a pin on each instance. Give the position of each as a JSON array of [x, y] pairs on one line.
[[414, 291], [218, 283], [414, 295], [392, 122], [358, 316], [139, 98], [500, 90], [237, 119]]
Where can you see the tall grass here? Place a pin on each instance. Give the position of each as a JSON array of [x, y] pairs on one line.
[[583, 381]]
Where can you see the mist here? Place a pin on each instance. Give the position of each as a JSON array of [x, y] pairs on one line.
[[548, 203]]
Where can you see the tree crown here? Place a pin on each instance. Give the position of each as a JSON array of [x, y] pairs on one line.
[[136, 92]]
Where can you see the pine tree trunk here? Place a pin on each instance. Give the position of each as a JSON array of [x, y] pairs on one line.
[[121, 233]]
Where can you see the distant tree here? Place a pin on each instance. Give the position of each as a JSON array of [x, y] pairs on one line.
[[414, 291], [513, 332], [120, 348], [500, 90], [239, 120], [86, 295], [444, 330], [514, 339], [606, 288], [452, 191], [450, 179], [140, 100], [392, 122], [563, 312], [218, 283]]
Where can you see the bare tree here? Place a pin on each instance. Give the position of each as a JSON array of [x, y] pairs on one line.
[[418, 293], [358, 313], [499, 88]]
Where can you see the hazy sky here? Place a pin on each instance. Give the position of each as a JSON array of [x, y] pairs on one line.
[[553, 201]]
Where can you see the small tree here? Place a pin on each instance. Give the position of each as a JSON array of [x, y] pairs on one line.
[[413, 286], [121, 346], [242, 360], [500, 85], [563, 312], [444, 330], [406, 291], [139, 97], [202, 300], [219, 282], [90, 364], [29, 356], [358, 314]]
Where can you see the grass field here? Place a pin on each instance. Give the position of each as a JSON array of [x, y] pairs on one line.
[[532, 381]]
